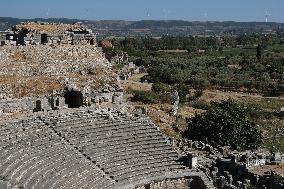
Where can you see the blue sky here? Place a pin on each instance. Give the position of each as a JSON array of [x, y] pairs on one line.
[[212, 10]]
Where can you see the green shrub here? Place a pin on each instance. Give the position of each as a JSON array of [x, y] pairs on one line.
[[225, 124], [200, 105], [161, 88], [275, 178], [147, 97], [183, 91], [196, 95]]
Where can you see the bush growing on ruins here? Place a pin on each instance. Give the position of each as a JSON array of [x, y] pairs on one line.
[[198, 104], [225, 124], [196, 95], [161, 88], [275, 178], [183, 91], [147, 97], [150, 97]]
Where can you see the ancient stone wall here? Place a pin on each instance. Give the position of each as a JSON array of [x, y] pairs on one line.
[[17, 105], [43, 33], [32, 104], [232, 169], [52, 65]]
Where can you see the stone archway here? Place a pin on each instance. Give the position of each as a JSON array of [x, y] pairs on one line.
[[43, 39], [92, 41], [74, 99], [38, 106]]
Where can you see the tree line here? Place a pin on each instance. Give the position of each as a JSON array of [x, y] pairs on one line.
[[253, 67]]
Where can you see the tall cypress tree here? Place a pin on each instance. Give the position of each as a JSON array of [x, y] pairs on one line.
[[259, 52]]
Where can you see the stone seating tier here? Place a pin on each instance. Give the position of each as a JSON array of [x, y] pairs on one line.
[[83, 149]]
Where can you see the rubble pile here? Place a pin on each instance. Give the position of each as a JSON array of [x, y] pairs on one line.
[[56, 66], [32, 67], [233, 169]]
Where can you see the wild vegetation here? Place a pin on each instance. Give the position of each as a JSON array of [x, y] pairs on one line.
[[225, 124], [250, 66], [245, 63]]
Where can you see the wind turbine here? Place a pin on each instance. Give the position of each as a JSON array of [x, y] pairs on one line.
[[47, 13], [267, 15], [148, 14], [205, 16]]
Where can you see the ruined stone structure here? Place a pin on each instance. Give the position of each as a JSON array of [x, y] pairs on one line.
[[236, 170], [119, 58], [281, 112], [63, 122], [129, 69], [35, 33], [49, 73], [89, 148]]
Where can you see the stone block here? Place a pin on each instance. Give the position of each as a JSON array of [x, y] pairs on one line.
[[191, 161]]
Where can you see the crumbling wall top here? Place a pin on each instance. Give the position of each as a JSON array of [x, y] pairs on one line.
[[57, 28]]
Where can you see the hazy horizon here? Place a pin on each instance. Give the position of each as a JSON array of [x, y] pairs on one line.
[[187, 10], [135, 20]]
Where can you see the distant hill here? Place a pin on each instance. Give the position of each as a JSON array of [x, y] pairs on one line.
[[180, 23], [8, 22], [177, 27], [110, 24], [159, 27]]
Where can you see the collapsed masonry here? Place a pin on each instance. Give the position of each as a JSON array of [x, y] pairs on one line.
[[48, 73], [229, 169], [35, 33], [65, 70]]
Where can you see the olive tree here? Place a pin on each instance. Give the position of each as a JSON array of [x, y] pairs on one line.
[[225, 124]]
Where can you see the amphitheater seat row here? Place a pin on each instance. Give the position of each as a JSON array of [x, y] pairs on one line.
[[83, 149], [32, 155], [125, 149]]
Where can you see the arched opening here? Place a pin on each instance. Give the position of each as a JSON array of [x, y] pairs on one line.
[[57, 102], [38, 107], [43, 39], [92, 41], [74, 99], [21, 37]]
